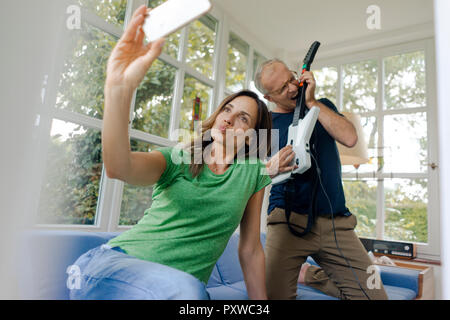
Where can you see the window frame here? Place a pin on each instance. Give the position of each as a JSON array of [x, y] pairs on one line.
[[431, 250], [111, 190]]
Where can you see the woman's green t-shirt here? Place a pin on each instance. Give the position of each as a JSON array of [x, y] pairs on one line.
[[191, 219]]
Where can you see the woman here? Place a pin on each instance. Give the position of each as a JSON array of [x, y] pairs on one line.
[[171, 252]]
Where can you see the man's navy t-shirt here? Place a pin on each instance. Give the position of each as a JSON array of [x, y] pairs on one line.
[[330, 166]]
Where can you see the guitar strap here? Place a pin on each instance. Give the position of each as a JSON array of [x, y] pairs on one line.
[[290, 194], [289, 190]]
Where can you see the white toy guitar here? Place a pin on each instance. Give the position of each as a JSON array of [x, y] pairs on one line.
[[302, 126]]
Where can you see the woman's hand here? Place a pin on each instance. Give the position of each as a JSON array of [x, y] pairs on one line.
[[130, 58], [281, 161]]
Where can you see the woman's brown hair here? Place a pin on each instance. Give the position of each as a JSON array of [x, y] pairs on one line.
[[263, 122]]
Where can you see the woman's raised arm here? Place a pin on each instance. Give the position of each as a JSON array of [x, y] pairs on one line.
[[127, 66]]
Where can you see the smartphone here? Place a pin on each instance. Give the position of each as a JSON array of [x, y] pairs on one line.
[[173, 15]]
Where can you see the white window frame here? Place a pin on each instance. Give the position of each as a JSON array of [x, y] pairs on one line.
[[111, 190], [431, 250]]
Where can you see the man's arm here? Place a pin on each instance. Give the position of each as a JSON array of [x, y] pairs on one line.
[[341, 129]]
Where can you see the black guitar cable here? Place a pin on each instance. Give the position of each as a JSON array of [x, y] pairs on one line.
[[334, 228]]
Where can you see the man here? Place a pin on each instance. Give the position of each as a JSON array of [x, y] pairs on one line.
[[287, 252]]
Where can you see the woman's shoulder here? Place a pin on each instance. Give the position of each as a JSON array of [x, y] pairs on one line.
[[175, 154]]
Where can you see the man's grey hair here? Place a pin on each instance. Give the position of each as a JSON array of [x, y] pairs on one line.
[[259, 71]]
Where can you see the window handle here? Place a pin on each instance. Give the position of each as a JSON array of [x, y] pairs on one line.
[[433, 165]]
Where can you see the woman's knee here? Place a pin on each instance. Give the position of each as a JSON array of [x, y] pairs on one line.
[[184, 286]]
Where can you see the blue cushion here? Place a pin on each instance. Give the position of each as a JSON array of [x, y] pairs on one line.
[[215, 280], [47, 254], [307, 293], [228, 265], [399, 293], [400, 277], [226, 292]]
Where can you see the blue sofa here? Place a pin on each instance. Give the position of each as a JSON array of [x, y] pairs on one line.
[[47, 255]]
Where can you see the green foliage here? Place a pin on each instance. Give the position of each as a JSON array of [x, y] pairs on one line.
[[327, 78], [361, 197], [85, 61], [71, 186], [192, 89], [405, 212], [236, 63], [72, 179], [360, 86], [112, 11], [405, 80], [154, 100], [201, 45]]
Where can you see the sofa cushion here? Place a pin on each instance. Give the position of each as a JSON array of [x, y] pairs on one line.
[[228, 292], [399, 293], [400, 277], [48, 253], [46, 256], [307, 293], [215, 280], [228, 265]]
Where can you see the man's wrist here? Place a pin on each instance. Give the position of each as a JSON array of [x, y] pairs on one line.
[[312, 103]]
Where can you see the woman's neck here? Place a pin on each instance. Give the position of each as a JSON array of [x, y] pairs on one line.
[[220, 158]]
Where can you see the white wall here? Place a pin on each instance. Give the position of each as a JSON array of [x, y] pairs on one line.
[[442, 27], [26, 53]]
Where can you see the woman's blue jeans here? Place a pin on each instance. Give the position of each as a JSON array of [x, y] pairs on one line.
[[110, 274]]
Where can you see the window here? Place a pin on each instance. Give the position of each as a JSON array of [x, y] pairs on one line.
[[201, 45], [154, 99], [389, 195], [327, 78], [193, 89], [258, 59], [84, 71], [135, 199], [75, 191], [111, 11], [72, 176], [70, 188]]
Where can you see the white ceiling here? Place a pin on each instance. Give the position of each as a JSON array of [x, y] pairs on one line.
[[290, 26]]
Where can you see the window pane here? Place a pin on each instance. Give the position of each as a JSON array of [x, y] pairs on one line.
[[202, 38], [136, 199], [406, 210], [405, 81], [172, 44], [193, 89], [154, 100], [326, 79], [369, 125], [83, 77], [405, 141], [238, 51], [360, 86], [72, 177], [361, 200], [257, 60], [112, 11]]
